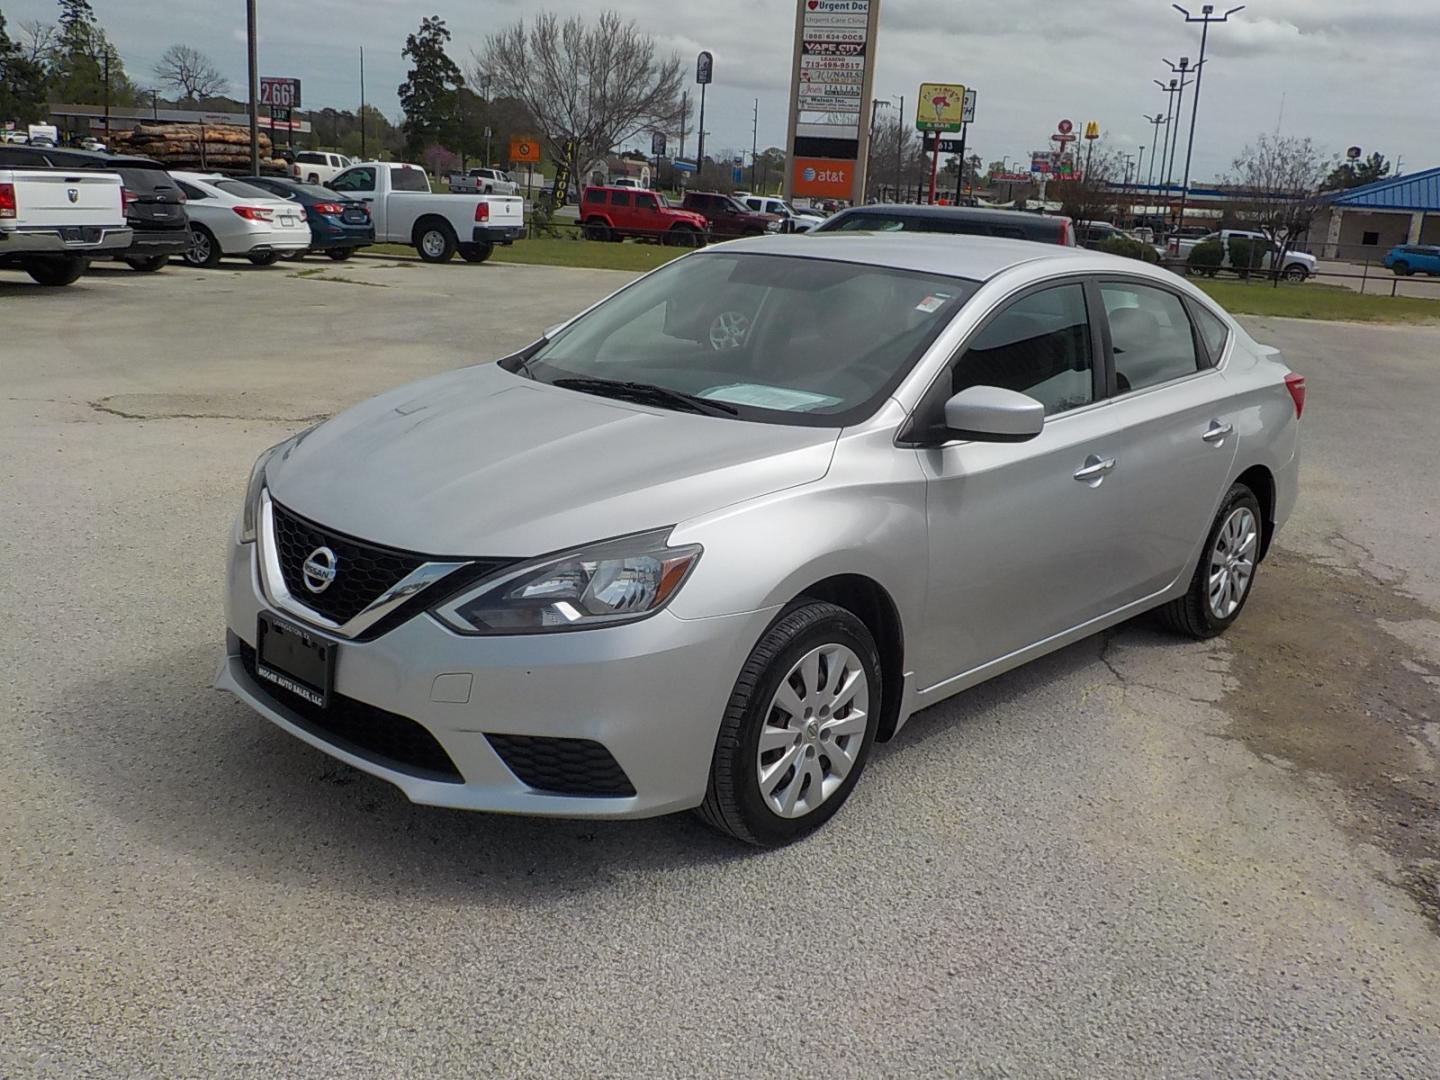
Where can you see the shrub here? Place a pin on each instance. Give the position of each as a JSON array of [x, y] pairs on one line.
[[1206, 258], [1247, 255], [1130, 249]]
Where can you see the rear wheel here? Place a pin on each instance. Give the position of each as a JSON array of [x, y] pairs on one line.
[[683, 236], [149, 264], [1402, 269], [265, 258], [798, 727], [596, 229], [476, 253], [1226, 573], [435, 242], [204, 250], [313, 178], [56, 270]]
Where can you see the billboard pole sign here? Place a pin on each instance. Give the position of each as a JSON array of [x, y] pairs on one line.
[[832, 81]]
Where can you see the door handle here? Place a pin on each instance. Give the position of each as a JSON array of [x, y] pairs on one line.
[[1217, 431], [1094, 470]]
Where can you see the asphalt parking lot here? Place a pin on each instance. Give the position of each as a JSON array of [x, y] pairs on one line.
[[1136, 857]]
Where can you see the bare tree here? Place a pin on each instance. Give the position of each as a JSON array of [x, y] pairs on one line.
[[37, 40], [190, 73], [1089, 197], [1279, 178], [598, 85]]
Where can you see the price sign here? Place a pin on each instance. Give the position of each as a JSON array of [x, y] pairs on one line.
[[280, 93]]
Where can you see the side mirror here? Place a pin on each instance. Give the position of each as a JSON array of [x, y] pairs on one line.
[[991, 414]]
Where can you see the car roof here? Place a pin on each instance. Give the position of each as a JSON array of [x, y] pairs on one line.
[[969, 213], [976, 258]]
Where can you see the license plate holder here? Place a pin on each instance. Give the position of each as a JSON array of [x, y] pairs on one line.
[[294, 660], [287, 220]]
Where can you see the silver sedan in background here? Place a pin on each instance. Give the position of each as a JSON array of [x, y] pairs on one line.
[[702, 545]]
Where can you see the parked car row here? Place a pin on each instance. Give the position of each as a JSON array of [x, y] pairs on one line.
[[62, 208], [616, 211]]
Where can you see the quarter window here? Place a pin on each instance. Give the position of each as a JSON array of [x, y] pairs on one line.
[[191, 191], [1213, 330], [1040, 345], [1150, 334]]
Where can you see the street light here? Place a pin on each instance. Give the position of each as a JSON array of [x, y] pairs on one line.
[[1172, 89], [1207, 16], [1155, 122]]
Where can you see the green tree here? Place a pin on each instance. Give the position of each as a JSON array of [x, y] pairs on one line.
[[22, 82], [86, 68], [1349, 174], [430, 91]]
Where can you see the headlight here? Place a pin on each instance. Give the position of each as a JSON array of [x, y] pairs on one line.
[[613, 582], [250, 515]]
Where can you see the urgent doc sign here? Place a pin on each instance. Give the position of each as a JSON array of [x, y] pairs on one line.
[[280, 93]]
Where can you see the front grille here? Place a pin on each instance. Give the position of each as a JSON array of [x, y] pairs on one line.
[[388, 739], [363, 571], [563, 766]]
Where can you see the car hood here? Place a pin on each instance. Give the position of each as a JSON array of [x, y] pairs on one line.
[[485, 462]]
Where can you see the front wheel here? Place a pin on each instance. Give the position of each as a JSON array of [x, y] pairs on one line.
[[340, 254], [798, 727], [204, 249], [1402, 269], [1226, 574], [1296, 273], [56, 270], [597, 230]]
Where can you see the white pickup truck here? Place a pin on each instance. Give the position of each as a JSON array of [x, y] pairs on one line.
[[483, 182], [1298, 265], [53, 220], [406, 211]]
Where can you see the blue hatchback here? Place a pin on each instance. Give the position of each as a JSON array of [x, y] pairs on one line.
[[1414, 259], [338, 224]]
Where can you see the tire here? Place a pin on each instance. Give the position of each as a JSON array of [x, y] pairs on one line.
[[683, 236], [340, 254], [204, 249], [149, 264], [265, 258], [435, 242], [1402, 269], [596, 229], [735, 800], [1296, 273], [476, 253], [56, 270], [1194, 614]]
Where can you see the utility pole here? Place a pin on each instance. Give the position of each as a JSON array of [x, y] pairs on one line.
[[960, 183], [684, 116], [754, 140], [107, 97], [1207, 16], [899, 146], [254, 88], [363, 155]]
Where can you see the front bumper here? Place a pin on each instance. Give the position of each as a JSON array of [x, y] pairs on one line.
[[497, 234], [651, 693]]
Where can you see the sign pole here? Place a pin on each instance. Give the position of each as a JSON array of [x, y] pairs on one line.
[[934, 167], [700, 153], [960, 183], [254, 88]]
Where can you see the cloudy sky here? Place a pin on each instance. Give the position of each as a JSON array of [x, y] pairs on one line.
[[1346, 72]]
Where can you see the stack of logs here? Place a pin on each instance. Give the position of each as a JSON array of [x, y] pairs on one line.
[[212, 147]]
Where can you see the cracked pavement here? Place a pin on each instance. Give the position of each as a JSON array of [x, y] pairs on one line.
[[1136, 857]]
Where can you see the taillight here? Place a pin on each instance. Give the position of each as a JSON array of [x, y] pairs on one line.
[[7, 201], [1065, 234], [1173, 247], [126, 198], [482, 212], [328, 208], [1296, 385], [255, 213]]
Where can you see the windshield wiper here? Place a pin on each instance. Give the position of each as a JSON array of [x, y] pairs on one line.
[[647, 394]]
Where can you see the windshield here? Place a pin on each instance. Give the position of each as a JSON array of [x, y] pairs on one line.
[[242, 190], [772, 338]]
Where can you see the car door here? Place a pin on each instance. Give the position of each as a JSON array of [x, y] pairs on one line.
[[621, 210], [647, 214], [1174, 429], [1022, 535]]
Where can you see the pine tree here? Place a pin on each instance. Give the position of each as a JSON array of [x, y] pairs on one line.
[[430, 91]]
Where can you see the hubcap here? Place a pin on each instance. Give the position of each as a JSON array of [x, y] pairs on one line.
[[199, 247], [813, 730], [1232, 562], [433, 243], [729, 330]]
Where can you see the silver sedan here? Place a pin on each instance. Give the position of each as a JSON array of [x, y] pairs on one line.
[[701, 546]]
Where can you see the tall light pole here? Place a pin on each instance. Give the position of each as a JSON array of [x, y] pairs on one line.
[[363, 156], [1207, 16], [1155, 122], [254, 88], [1172, 120]]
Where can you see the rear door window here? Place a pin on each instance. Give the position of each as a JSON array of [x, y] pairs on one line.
[[1040, 345], [620, 198], [646, 202], [1150, 333]]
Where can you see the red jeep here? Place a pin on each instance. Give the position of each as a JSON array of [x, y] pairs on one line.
[[613, 213]]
